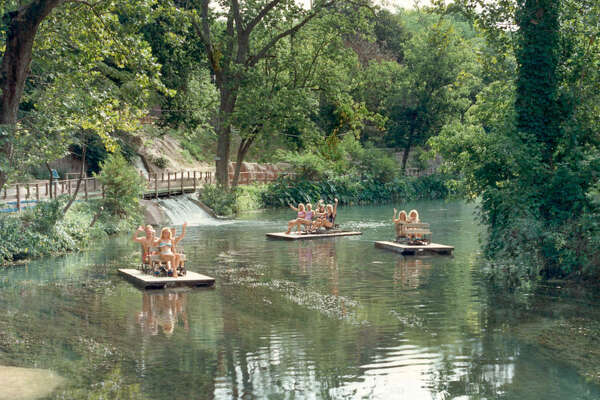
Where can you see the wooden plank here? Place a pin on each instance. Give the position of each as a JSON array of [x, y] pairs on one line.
[[294, 236], [147, 281], [414, 250]]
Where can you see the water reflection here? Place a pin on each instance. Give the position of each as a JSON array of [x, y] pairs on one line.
[[163, 310], [411, 272], [308, 319]]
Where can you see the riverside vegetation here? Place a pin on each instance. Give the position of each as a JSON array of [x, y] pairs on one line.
[[512, 112], [46, 229]]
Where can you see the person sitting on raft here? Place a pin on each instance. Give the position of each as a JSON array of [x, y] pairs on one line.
[[165, 245], [329, 222], [146, 242], [174, 242], [294, 222], [400, 224], [413, 218], [306, 220], [327, 219], [318, 216]]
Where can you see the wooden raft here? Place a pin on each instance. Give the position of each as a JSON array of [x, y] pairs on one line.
[[294, 236], [146, 281], [432, 248]]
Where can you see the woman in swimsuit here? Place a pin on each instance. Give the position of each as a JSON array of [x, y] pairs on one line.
[[166, 253], [400, 223], [308, 216], [301, 215], [174, 242], [413, 218], [329, 221], [319, 216]]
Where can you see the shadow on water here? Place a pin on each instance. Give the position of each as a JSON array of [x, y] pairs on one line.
[[332, 318]]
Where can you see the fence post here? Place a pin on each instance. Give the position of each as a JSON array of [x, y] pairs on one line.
[[46, 188], [103, 191], [194, 181], [27, 196], [181, 182], [69, 186], [55, 189], [18, 198], [37, 191], [162, 176], [156, 185], [85, 188], [168, 184]]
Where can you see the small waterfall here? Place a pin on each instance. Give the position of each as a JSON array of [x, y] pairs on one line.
[[180, 209], [138, 163]]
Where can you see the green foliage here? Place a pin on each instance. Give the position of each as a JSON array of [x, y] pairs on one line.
[[350, 191], [123, 187], [529, 150], [43, 230], [219, 199]]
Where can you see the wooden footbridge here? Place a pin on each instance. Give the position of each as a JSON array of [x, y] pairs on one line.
[[162, 184]]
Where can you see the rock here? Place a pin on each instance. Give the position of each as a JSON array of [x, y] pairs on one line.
[[27, 383], [153, 214]]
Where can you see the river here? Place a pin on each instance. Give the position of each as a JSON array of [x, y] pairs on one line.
[[332, 318]]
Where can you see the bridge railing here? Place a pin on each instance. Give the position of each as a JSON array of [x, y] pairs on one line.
[[21, 195]]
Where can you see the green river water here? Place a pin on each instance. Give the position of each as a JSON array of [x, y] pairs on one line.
[[331, 318]]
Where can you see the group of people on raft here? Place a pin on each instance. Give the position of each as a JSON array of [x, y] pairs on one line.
[[322, 217], [164, 246], [405, 232]]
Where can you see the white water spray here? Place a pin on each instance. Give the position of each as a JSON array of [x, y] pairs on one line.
[[180, 209]]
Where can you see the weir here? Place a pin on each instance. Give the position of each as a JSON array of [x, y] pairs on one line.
[[180, 209]]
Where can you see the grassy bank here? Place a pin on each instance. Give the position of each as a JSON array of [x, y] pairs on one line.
[[349, 191]]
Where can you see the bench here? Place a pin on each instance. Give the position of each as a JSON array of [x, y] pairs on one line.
[[156, 264], [415, 230]]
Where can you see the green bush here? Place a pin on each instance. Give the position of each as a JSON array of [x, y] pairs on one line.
[[352, 190], [123, 188], [219, 199], [43, 230]]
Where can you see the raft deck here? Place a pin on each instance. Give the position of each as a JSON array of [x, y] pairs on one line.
[[405, 249], [295, 236], [146, 281]]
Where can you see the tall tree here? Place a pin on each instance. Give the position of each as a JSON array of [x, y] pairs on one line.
[[22, 28], [82, 67], [248, 34]]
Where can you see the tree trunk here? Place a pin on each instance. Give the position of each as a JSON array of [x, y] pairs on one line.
[[51, 179], [241, 154], [81, 174], [20, 34], [407, 150], [228, 99]]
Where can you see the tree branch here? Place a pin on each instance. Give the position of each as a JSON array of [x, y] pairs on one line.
[[254, 59], [239, 22], [262, 13]]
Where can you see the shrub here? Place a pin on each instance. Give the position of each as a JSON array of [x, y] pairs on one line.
[[353, 190], [219, 199], [161, 162], [123, 187]]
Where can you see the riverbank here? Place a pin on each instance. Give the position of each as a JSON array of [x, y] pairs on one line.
[[44, 230], [349, 191]]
